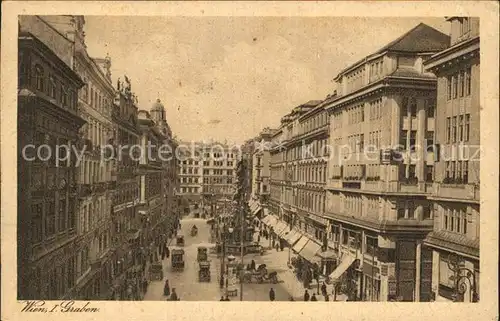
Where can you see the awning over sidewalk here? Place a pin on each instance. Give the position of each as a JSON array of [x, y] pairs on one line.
[[271, 221], [346, 262], [280, 227], [309, 251], [293, 237], [327, 255], [300, 244], [256, 210]]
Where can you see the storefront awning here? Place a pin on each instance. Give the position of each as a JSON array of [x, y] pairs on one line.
[[346, 262], [256, 210], [280, 227], [300, 244], [293, 237], [327, 255], [309, 251]]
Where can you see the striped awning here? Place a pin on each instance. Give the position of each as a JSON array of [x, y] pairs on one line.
[[293, 237], [309, 251], [345, 263], [300, 244]]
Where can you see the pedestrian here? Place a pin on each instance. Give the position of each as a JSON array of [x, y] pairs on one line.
[[173, 296], [282, 246], [258, 239], [323, 289], [313, 298], [327, 297], [167, 252], [291, 298], [222, 298], [163, 254], [306, 296], [271, 295], [166, 288], [252, 265], [227, 298]]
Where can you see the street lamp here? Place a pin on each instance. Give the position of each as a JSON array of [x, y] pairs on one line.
[[223, 269], [462, 277]]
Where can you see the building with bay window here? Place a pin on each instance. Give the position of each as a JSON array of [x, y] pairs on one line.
[[382, 129], [455, 199]]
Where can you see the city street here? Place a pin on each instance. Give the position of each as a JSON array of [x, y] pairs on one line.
[[186, 282]]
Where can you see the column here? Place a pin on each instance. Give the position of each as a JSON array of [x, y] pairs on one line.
[[341, 237], [420, 141], [468, 293], [418, 257]]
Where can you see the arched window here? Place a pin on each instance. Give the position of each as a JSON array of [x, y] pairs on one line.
[[52, 86], [39, 78]]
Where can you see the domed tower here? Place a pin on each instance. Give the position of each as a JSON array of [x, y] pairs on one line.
[[158, 112]]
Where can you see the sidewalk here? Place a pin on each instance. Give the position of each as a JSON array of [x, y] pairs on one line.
[[278, 261]]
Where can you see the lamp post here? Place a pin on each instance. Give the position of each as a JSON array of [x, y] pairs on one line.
[[464, 278], [224, 269]]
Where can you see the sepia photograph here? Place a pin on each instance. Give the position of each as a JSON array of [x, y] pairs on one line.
[[246, 158], [357, 186]]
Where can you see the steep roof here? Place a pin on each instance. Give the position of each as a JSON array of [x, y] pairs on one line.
[[421, 38]]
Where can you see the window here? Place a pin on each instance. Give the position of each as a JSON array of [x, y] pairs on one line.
[[431, 108], [36, 222], [455, 85], [449, 86], [468, 81], [459, 171], [466, 127], [361, 142], [465, 172], [39, 78], [401, 212], [52, 87], [404, 107], [448, 170], [413, 140], [411, 209], [402, 139], [461, 83], [454, 129], [411, 171], [62, 215], [452, 170], [413, 108], [429, 138], [448, 129], [460, 128], [429, 173], [426, 213], [50, 219]]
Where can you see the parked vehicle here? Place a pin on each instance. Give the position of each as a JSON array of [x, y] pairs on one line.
[[204, 272], [177, 259]]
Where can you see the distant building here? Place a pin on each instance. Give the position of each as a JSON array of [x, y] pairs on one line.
[[455, 197]]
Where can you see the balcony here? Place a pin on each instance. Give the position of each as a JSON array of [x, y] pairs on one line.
[[458, 191], [111, 185]]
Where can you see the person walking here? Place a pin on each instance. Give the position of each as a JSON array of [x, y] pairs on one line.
[[323, 289], [222, 298], [252, 265], [313, 297], [327, 297], [167, 251], [173, 296], [166, 288], [306, 296], [271, 295], [227, 298]]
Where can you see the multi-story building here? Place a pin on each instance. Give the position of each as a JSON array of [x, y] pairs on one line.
[[219, 174], [381, 171], [261, 172], [47, 227], [95, 106], [126, 221], [455, 198], [247, 150], [190, 171], [298, 179]]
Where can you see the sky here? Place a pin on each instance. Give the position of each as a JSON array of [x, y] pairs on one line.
[[226, 78]]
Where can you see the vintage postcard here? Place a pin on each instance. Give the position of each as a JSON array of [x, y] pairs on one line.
[[267, 153]]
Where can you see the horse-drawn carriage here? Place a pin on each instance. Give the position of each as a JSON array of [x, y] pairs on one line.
[[156, 272], [204, 272], [260, 275], [202, 254], [177, 259]]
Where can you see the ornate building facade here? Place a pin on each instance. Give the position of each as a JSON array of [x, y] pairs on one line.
[[48, 251], [455, 197]]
